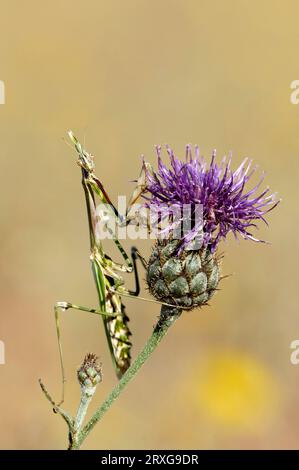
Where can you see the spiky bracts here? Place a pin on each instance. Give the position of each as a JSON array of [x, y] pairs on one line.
[[188, 280], [90, 372]]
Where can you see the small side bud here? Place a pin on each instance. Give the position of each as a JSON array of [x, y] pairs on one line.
[[89, 376], [90, 373]]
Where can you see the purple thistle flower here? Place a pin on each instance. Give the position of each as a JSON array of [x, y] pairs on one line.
[[227, 205]]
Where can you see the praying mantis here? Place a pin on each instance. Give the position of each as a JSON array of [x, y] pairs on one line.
[[106, 272]]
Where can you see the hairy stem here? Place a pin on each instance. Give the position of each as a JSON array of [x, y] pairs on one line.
[[82, 410], [167, 317]]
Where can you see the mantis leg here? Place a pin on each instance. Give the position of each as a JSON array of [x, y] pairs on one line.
[[63, 306], [135, 255]]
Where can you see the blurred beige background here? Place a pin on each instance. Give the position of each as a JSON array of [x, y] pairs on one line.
[[127, 75]]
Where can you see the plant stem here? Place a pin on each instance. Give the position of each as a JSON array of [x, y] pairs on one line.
[[167, 317], [82, 410]]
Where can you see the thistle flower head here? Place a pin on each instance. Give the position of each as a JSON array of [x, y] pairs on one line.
[[227, 204]]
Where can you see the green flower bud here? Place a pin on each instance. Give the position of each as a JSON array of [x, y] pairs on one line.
[[90, 372], [187, 280]]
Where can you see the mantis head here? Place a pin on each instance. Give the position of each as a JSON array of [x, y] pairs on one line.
[[85, 160]]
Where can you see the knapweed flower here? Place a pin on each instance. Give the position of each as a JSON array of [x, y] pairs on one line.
[[226, 204], [178, 273]]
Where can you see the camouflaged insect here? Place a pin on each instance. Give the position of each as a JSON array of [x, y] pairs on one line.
[[118, 332]]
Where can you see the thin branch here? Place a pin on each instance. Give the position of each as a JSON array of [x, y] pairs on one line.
[[57, 409], [167, 318]]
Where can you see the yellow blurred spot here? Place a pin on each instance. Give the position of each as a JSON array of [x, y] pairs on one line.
[[235, 389]]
